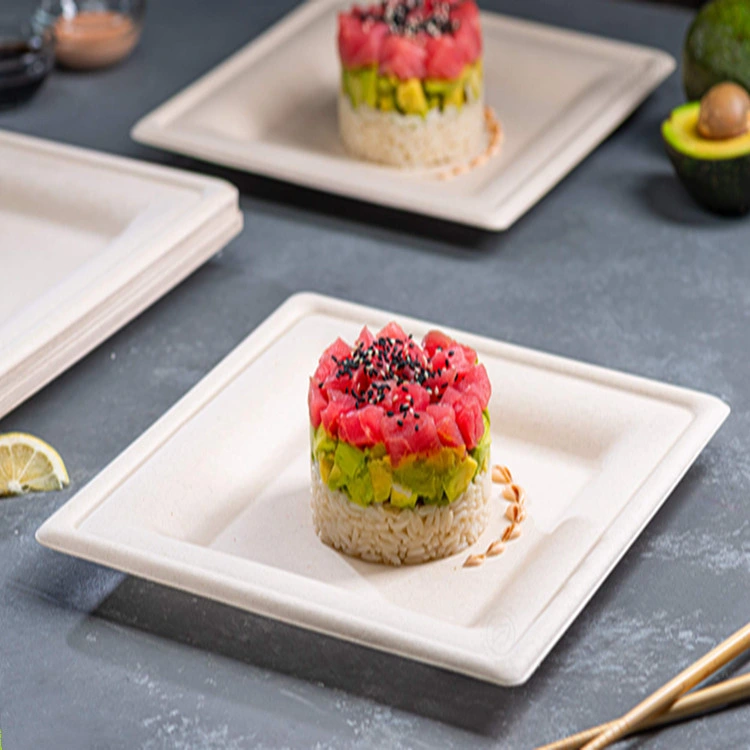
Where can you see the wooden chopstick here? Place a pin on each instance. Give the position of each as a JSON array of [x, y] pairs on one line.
[[658, 702], [700, 702]]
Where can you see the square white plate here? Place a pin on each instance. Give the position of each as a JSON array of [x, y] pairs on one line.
[[88, 241], [214, 498], [558, 94]]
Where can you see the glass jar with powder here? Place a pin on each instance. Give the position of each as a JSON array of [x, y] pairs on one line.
[[92, 34]]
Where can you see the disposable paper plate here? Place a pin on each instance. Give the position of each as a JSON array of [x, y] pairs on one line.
[[557, 93], [214, 499], [87, 242]]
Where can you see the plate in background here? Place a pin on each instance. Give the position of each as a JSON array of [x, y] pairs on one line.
[[558, 94], [87, 242], [214, 498]]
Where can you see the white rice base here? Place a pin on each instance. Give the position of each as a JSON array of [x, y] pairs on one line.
[[385, 534], [455, 135]]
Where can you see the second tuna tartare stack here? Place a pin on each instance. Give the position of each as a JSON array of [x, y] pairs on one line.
[[412, 86], [400, 438]]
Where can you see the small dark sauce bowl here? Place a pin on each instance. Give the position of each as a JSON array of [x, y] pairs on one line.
[[26, 58]]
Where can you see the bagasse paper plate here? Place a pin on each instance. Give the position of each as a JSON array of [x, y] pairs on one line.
[[214, 498], [558, 94], [88, 241]]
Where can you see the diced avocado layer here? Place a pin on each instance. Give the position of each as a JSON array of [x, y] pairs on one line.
[[365, 86], [368, 476]]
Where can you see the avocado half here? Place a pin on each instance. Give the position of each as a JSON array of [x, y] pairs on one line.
[[717, 47], [715, 173]]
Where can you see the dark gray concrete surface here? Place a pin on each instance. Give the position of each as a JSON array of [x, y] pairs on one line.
[[615, 267]]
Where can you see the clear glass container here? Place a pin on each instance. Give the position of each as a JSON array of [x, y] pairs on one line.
[[26, 57], [92, 34]]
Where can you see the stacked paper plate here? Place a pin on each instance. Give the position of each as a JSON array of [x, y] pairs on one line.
[[87, 242]]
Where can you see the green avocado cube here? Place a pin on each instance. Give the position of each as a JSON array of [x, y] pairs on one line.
[[454, 98], [386, 103], [349, 459], [385, 86], [361, 86], [326, 466], [322, 442], [410, 97], [403, 497], [360, 488], [336, 477], [420, 477], [438, 86], [460, 478], [481, 453], [473, 77], [369, 78], [378, 451], [381, 479]]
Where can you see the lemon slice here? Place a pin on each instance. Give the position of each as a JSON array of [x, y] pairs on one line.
[[28, 464]]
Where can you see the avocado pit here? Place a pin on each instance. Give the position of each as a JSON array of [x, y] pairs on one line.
[[724, 112]]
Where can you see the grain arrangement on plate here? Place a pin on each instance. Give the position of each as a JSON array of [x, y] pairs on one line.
[[400, 446]]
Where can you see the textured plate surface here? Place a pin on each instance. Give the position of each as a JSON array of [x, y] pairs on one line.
[[87, 241], [558, 94], [214, 499]]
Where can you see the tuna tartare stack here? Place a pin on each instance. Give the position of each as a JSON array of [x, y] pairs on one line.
[[412, 87], [400, 438]]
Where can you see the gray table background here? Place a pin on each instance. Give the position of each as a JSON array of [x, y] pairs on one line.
[[614, 267]]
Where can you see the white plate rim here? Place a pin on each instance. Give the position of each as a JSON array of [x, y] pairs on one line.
[[157, 260], [181, 570], [483, 211]]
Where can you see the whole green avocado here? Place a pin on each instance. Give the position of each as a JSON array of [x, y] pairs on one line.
[[717, 47]]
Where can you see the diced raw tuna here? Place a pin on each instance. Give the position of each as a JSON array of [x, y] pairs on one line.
[[338, 388], [445, 58], [414, 352], [360, 42], [445, 423], [434, 340], [360, 381], [451, 396], [331, 415], [316, 402], [416, 42], [392, 331], [469, 420], [362, 387], [476, 382], [409, 394], [469, 353], [403, 57], [361, 427], [469, 34], [411, 436], [365, 339], [449, 365], [336, 352]]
